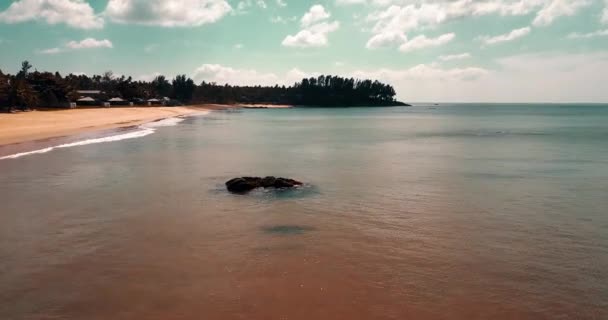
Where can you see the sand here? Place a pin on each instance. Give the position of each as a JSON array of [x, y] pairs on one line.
[[37, 125]]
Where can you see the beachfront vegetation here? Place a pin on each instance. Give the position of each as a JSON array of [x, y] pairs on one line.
[[321, 91], [4, 88], [28, 90]]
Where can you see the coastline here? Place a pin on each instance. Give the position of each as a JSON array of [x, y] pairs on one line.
[[39, 125], [263, 106]]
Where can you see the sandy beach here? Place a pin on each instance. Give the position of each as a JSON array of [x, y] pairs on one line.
[[37, 125]]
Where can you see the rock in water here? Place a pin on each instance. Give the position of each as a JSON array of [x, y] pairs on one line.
[[280, 183], [241, 185], [268, 182], [246, 184]]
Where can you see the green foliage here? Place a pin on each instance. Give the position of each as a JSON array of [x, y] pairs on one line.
[[161, 86], [30, 89], [4, 89], [53, 91], [183, 88], [322, 91], [22, 95]]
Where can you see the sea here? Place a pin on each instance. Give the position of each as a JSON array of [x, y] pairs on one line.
[[436, 211]]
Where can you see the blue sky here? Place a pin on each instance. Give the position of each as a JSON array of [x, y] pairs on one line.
[[433, 50]]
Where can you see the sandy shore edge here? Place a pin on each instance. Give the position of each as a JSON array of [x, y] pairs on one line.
[[39, 125]]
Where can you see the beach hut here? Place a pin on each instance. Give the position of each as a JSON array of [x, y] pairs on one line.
[[153, 101], [86, 101], [118, 101]]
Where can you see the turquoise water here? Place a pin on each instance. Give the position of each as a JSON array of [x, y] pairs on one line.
[[469, 211]]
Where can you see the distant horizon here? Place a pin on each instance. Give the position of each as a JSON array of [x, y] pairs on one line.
[[489, 50]]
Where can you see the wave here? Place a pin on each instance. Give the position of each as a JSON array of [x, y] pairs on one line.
[[168, 122], [142, 131]]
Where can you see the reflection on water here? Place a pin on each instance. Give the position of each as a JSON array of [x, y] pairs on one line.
[[402, 218], [287, 229]]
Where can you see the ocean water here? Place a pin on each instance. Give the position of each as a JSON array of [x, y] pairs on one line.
[[469, 211]]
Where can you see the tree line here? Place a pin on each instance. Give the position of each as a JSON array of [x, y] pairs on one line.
[[31, 89]]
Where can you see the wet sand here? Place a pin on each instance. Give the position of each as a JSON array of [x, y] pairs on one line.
[[38, 125]]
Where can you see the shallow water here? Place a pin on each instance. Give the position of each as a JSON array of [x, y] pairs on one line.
[[429, 212]]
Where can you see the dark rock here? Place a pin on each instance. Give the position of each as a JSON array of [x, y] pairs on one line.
[[241, 185], [286, 183], [268, 182], [246, 184]]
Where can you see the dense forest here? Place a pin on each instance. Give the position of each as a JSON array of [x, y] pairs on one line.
[[31, 89]]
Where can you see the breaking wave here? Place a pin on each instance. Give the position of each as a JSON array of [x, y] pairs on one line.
[[141, 131]]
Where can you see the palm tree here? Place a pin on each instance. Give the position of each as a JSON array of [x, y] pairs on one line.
[[21, 93], [25, 68]]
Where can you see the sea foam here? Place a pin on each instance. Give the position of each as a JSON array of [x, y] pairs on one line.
[[141, 131]]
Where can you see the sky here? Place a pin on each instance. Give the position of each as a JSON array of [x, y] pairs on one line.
[[429, 50]]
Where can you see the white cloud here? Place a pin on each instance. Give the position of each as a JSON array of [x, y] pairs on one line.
[[89, 43], [562, 77], [51, 51], [314, 33], [558, 8], [514, 34], [74, 13], [175, 13], [598, 33], [414, 15], [279, 19], [315, 14], [313, 36], [243, 6], [281, 3], [422, 42], [221, 74], [452, 57], [605, 12], [148, 77], [432, 73], [227, 75], [385, 39], [349, 2], [238, 46], [392, 20], [424, 72], [428, 82]]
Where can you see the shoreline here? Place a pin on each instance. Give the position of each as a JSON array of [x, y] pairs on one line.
[[39, 125]]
